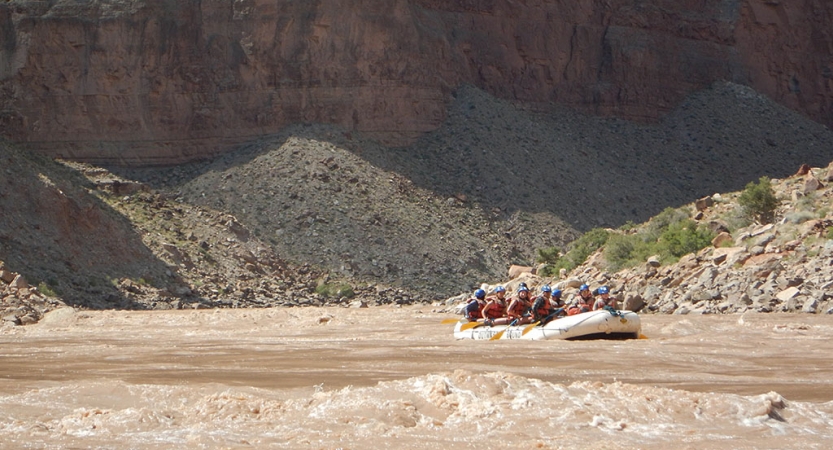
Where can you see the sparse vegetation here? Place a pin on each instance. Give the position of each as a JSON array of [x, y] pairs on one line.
[[578, 251], [671, 234], [758, 200], [800, 216], [548, 255], [47, 290], [337, 290]]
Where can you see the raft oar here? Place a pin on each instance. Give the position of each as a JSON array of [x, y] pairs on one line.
[[529, 327], [500, 333], [448, 321], [470, 325]]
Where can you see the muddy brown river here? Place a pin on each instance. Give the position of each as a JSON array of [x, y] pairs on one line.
[[329, 378]]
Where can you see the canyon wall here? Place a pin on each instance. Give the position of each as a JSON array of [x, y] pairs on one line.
[[147, 82]]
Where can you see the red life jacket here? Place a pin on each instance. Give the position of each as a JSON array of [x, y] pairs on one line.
[[543, 305], [497, 309], [475, 311], [517, 308]]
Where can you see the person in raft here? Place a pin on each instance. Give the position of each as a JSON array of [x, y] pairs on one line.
[[556, 300], [474, 308], [604, 299], [557, 307], [494, 313], [542, 305], [582, 302], [519, 308]]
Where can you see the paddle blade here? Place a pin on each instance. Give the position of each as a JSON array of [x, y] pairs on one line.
[[529, 327], [448, 321], [470, 325], [498, 336]]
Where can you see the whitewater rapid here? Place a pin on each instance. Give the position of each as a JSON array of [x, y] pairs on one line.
[[395, 378]]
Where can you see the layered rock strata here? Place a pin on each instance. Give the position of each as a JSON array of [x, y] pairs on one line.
[[162, 81]]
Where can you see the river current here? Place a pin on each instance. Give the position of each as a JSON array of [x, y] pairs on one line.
[[386, 377]]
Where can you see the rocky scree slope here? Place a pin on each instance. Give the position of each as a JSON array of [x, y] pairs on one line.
[[76, 235], [489, 187]]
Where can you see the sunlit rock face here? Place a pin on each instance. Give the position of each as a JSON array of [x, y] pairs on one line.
[[164, 81]]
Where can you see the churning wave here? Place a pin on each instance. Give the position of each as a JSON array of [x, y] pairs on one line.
[[462, 409]]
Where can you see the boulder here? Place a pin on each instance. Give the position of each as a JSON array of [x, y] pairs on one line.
[[721, 239], [515, 271], [633, 302], [811, 184], [7, 276], [703, 203], [787, 294], [19, 282], [804, 169]]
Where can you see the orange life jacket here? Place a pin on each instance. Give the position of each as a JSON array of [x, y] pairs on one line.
[[494, 309], [517, 308]]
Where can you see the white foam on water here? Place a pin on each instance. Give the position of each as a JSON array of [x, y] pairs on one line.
[[444, 410]]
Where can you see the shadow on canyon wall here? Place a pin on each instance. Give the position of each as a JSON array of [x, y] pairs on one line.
[[53, 230]]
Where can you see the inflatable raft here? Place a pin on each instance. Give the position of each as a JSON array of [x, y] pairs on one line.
[[600, 324]]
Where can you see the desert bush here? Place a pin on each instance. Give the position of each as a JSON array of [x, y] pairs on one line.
[[800, 216], [548, 255], [337, 290], [47, 290], [578, 252], [684, 237], [671, 235], [659, 223], [758, 200]]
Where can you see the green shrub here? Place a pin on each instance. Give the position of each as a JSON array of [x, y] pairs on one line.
[[830, 233], [671, 234], [337, 290], [659, 223], [758, 200], [620, 249], [736, 219], [685, 237], [800, 216], [549, 270], [548, 255], [583, 247], [46, 290]]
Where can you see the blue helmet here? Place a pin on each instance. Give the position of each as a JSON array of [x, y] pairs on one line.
[[500, 289], [604, 290], [523, 288], [480, 293], [584, 287], [556, 293], [546, 288]]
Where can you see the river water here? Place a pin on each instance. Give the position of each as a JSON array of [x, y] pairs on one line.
[[385, 377]]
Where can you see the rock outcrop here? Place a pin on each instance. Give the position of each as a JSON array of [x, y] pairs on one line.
[[160, 81]]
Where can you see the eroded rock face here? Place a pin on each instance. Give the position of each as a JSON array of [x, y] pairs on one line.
[[163, 81]]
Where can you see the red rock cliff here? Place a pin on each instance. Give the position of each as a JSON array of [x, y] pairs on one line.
[[163, 81]]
